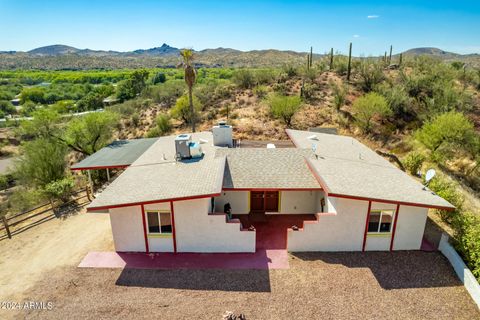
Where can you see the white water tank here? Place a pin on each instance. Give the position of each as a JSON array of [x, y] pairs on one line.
[[222, 135]]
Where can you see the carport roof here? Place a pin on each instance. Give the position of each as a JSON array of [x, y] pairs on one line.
[[118, 154]]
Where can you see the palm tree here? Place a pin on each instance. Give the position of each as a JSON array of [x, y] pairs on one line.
[[190, 76]]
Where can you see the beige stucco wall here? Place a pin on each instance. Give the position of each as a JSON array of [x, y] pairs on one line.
[[410, 228], [197, 231], [239, 200], [127, 229], [342, 230]]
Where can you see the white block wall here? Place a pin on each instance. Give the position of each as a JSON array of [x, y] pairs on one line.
[[299, 202], [239, 200], [197, 231], [342, 231], [127, 229], [410, 228]]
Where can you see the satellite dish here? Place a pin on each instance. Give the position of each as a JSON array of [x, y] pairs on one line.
[[429, 175], [312, 137]]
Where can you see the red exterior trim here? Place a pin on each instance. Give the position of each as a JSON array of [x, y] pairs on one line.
[[366, 225], [317, 176], [145, 229], [120, 166], [389, 201], [172, 212], [271, 189], [394, 226], [152, 201]]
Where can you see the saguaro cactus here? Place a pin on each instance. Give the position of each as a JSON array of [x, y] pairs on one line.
[[331, 59], [349, 69], [400, 60], [311, 56], [390, 57]]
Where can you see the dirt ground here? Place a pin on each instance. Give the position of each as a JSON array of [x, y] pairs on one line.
[[40, 265], [36, 252]]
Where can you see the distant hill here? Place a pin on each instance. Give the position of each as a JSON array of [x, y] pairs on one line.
[[66, 57], [54, 50]]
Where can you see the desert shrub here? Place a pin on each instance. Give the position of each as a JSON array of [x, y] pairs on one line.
[[371, 74], [339, 94], [244, 78], [280, 88], [163, 124], [166, 93], [25, 198], [136, 119], [60, 189], [308, 90], [265, 76], [260, 91], [181, 110], [413, 162], [448, 191], [224, 91], [159, 77], [3, 181], [447, 133], [396, 96], [126, 109], [368, 106], [289, 70], [467, 239], [6, 107], [205, 92], [284, 107], [340, 65]]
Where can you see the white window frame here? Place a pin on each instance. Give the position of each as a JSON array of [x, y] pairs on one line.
[[381, 211], [159, 222]]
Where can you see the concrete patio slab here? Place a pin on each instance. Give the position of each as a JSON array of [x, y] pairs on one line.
[[262, 259]]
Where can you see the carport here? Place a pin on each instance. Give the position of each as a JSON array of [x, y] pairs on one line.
[[117, 155]]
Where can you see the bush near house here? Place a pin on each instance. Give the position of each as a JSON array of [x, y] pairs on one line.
[[467, 240], [413, 162]]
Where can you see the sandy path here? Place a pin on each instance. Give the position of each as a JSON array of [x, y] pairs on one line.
[[27, 257]]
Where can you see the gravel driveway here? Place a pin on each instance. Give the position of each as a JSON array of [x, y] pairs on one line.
[[400, 285]]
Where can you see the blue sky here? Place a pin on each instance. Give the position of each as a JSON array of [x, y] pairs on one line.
[[288, 25]]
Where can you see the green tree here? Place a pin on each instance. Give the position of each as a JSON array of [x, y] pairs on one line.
[[190, 77], [35, 95], [134, 85], [182, 109], [43, 160], [89, 133], [446, 133], [284, 107], [6, 107], [368, 106]]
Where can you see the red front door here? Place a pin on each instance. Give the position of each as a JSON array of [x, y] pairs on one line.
[[264, 201], [257, 203]]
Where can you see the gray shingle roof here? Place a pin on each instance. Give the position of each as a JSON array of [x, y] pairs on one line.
[[252, 168], [347, 167], [156, 176], [120, 153]]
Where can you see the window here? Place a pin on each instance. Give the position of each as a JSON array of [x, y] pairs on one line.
[[159, 222], [380, 221]]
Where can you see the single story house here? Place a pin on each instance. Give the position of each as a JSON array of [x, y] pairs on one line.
[[197, 193]]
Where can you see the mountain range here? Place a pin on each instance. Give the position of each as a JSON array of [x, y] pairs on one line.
[[66, 57]]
